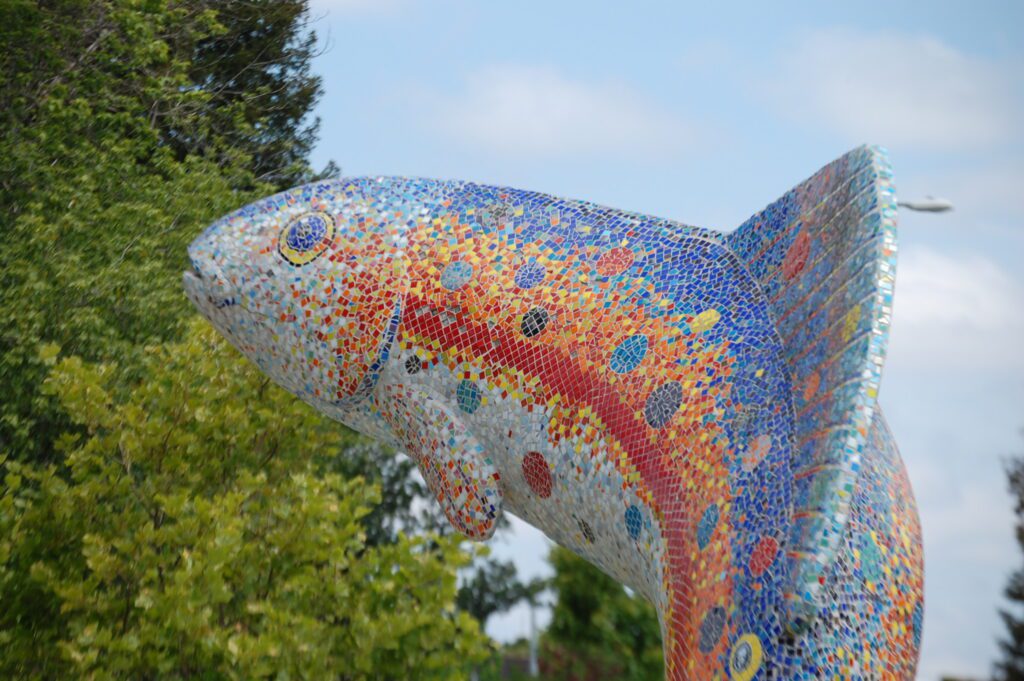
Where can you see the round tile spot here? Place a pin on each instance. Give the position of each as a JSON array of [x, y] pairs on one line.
[[306, 232], [628, 355], [634, 521], [662, 404], [796, 256], [706, 526], [537, 474], [711, 629], [456, 275], [615, 261], [534, 322], [529, 275], [468, 396], [763, 555], [412, 365]]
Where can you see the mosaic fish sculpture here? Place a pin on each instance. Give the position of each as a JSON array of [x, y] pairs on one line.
[[693, 412]]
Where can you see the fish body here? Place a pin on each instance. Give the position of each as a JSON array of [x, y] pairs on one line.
[[693, 412]]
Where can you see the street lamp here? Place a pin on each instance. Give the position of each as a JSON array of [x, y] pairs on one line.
[[928, 204]]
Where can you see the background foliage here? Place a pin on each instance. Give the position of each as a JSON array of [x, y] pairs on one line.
[[165, 512], [195, 532], [96, 207], [598, 629], [1010, 665]]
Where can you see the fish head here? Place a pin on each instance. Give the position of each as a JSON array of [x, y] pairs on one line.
[[308, 284]]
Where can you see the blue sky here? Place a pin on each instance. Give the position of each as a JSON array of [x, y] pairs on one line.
[[707, 112]]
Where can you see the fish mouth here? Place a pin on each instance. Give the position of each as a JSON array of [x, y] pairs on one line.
[[224, 310], [203, 295], [200, 297]]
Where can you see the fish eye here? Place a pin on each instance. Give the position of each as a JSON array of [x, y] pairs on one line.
[[305, 238]]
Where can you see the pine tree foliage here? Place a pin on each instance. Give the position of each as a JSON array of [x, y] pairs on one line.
[[494, 587], [1011, 666], [260, 90]]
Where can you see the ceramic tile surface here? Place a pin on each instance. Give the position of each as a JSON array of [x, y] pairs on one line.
[[693, 412]]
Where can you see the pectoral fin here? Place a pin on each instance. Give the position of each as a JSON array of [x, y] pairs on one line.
[[454, 464]]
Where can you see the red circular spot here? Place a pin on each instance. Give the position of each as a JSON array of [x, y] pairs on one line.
[[796, 257], [615, 261], [537, 474], [811, 386], [763, 555]]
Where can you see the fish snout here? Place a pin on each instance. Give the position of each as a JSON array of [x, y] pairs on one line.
[[206, 284]]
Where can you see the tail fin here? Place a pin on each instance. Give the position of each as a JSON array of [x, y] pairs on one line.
[[825, 254]]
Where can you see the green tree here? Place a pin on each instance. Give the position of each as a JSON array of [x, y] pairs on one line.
[[598, 629], [405, 506], [165, 512], [128, 126], [261, 90], [196, 534], [493, 587], [1011, 666], [94, 208]]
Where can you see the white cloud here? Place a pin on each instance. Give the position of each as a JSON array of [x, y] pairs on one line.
[[973, 523], [961, 310], [898, 89], [536, 111], [969, 552], [969, 292]]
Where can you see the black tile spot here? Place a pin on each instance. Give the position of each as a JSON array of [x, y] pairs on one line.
[[534, 322], [662, 404], [412, 365]]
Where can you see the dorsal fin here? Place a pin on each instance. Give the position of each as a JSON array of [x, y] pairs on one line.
[[825, 255]]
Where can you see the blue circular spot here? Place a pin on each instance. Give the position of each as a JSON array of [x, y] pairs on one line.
[[634, 521], [629, 354], [706, 526], [456, 274], [306, 232], [870, 559], [468, 396], [529, 275]]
